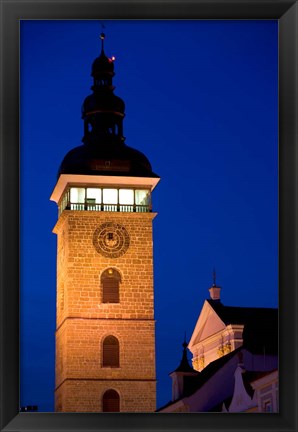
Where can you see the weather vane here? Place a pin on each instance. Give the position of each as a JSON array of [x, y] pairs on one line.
[[214, 277], [102, 35]]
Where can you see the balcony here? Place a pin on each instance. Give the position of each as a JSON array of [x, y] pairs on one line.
[[106, 200]]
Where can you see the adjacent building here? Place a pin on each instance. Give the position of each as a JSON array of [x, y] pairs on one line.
[[234, 361]]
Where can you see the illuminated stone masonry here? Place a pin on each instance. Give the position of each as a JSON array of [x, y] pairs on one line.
[[84, 320]]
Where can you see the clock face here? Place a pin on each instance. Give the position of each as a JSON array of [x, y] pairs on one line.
[[111, 240]]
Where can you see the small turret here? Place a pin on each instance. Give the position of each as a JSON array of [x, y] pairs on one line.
[[181, 376]]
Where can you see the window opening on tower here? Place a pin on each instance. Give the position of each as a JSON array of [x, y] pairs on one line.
[[110, 281], [111, 401], [110, 352], [106, 199]]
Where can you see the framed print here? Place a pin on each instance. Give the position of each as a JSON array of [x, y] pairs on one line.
[[86, 328]]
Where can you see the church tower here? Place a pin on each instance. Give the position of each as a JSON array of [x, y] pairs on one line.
[[105, 328]]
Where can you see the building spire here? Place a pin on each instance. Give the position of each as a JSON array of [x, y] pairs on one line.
[[179, 384], [184, 365], [103, 112], [102, 37]]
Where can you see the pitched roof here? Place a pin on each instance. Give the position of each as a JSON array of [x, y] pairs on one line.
[[251, 376], [260, 336], [260, 333], [238, 314], [218, 407], [194, 383], [212, 368]]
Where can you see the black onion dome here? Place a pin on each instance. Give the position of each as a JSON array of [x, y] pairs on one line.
[[102, 65], [104, 151], [115, 160], [102, 102]]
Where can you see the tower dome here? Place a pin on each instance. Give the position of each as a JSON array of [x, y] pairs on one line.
[[102, 64], [102, 102], [104, 151], [115, 160]]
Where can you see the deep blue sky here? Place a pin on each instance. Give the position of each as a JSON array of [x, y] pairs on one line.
[[201, 103]]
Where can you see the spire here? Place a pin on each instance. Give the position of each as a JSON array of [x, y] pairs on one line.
[[102, 37], [103, 69], [182, 377], [184, 364], [104, 151], [103, 111]]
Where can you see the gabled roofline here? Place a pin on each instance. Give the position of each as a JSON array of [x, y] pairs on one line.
[[202, 317]]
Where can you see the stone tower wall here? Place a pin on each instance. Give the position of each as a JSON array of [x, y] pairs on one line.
[[83, 320]]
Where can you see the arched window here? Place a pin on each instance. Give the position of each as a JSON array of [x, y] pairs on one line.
[[110, 280], [111, 401], [110, 352]]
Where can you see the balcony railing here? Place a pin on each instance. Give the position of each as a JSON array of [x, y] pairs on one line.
[[137, 208]]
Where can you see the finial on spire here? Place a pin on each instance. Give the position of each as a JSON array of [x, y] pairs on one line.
[[102, 36], [214, 277], [215, 289]]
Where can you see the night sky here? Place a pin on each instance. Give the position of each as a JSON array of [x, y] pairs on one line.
[[201, 103]]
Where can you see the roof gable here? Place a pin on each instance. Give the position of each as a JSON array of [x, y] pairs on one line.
[[208, 324]]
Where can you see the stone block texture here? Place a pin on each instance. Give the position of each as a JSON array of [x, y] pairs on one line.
[[83, 320]]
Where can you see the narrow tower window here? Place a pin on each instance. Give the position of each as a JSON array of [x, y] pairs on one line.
[[110, 281], [111, 401], [110, 352]]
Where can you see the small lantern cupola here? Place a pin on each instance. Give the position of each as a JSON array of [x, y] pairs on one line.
[[102, 111], [214, 290]]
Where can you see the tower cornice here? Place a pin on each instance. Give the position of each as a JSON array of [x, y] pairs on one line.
[[77, 179]]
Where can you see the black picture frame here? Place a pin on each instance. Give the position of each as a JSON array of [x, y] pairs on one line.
[[14, 11]]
